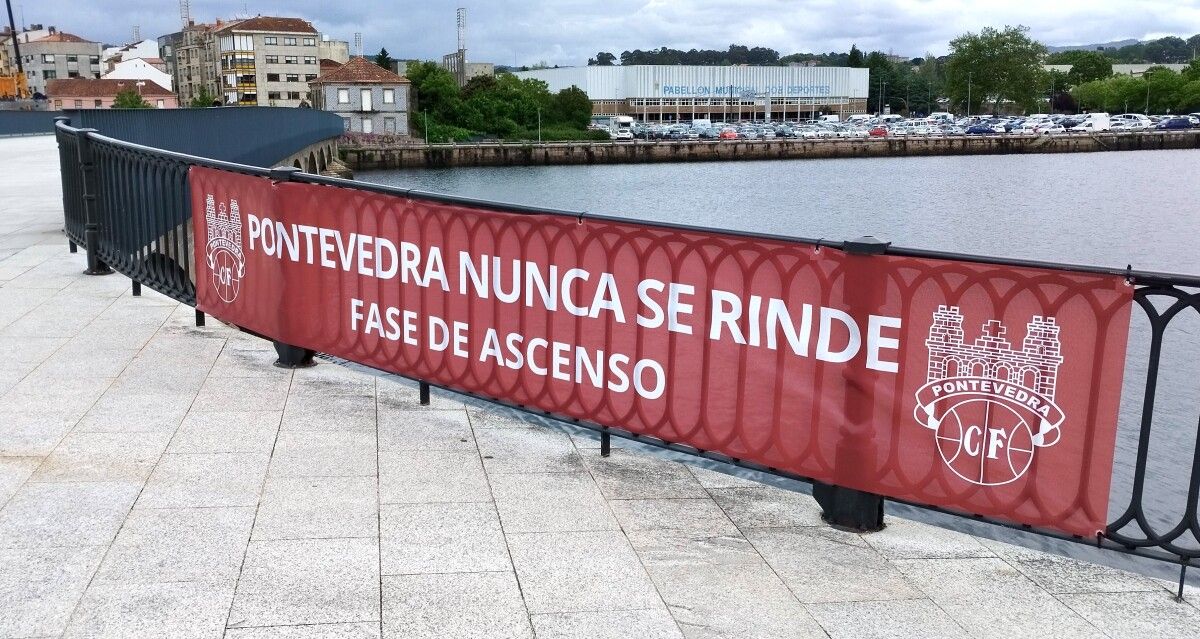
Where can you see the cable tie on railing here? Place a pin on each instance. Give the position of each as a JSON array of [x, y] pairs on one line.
[[1129, 275], [818, 247], [579, 219]]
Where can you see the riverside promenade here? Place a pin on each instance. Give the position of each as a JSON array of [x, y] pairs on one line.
[[163, 480]]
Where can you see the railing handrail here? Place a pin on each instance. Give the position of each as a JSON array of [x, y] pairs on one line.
[[1133, 275], [152, 221]]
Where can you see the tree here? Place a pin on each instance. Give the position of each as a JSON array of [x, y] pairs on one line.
[[383, 59], [1088, 66], [573, 108], [203, 100], [997, 66], [855, 59], [602, 59], [130, 99]]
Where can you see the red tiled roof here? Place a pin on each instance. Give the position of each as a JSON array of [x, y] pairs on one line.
[[328, 65], [102, 88], [360, 71], [62, 37], [268, 23]]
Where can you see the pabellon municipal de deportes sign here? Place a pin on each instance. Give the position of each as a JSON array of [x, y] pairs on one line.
[[981, 388]]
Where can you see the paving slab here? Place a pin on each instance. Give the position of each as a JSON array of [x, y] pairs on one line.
[[483, 605], [580, 571], [307, 581], [65, 514], [312, 631], [205, 481], [732, 601], [318, 507], [899, 619], [41, 586], [441, 538], [656, 623], [179, 544], [184, 610], [551, 502]]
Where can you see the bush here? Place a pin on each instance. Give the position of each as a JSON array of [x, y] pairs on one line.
[[560, 134]]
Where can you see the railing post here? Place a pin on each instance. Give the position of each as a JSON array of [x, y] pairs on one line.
[[423, 393], [199, 317], [91, 214], [64, 120], [842, 507], [289, 356]]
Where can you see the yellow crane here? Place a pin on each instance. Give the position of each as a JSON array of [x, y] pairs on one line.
[[14, 85]]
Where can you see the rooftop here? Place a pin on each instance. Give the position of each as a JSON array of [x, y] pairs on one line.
[[359, 71], [104, 87], [62, 36], [270, 24]]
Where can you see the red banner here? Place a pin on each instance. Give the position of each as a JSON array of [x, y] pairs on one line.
[[985, 389]]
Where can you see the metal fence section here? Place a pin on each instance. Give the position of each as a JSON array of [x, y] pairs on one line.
[[14, 122], [143, 215]]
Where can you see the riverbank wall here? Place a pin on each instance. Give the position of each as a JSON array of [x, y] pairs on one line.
[[360, 158]]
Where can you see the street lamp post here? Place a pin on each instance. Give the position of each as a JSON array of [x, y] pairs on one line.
[[426, 112], [968, 94], [539, 125]]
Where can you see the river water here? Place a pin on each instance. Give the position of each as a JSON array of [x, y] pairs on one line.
[[1107, 209]]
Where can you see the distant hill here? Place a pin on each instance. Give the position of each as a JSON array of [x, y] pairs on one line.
[[1115, 44]]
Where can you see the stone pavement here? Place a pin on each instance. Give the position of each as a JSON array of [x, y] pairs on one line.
[[163, 480]]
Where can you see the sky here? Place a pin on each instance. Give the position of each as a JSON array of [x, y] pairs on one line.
[[568, 32]]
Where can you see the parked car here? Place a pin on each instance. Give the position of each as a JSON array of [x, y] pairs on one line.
[[728, 134], [878, 131], [1173, 124], [623, 134]]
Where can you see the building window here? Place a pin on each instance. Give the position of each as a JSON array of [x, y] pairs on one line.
[[72, 58], [310, 59], [389, 125], [343, 96], [291, 59], [271, 40], [293, 77], [161, 104], [272, 59], [99, 103], [346, 123], [72, 74], [368, 126], [49, 74], [309, 77], [272, 77], [310, 42], [47, 58], [94, 59], [389, 96], [291, 42], [272, 95], [79, 104], [58, 105], [293, 95]]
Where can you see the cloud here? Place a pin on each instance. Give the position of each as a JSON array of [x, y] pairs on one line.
[[568, 32]]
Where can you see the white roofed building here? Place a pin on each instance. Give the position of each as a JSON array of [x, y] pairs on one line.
[[667, 93], [151, 69]]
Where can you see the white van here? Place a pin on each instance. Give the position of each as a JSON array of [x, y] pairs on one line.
[[829, 119], [942, 115], [860, 118], [1094, 122]]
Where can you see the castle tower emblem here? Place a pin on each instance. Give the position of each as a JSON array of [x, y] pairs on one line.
[[989, 405], [224, 255]]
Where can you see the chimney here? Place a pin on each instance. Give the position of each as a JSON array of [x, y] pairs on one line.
[[52, 29]]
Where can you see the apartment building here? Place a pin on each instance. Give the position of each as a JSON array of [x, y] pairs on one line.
[[191, 59], [267, 61], [49, 54]]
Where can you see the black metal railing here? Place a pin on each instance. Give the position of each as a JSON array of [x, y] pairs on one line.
[[143, 214]]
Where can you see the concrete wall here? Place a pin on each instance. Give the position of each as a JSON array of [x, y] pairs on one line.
[[421, 156]]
